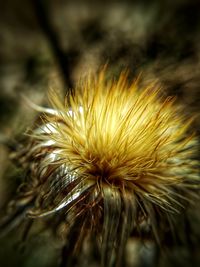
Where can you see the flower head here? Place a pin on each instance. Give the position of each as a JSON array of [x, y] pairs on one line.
[[113, 155]]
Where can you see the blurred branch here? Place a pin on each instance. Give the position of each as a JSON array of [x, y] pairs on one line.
[[51, 35]]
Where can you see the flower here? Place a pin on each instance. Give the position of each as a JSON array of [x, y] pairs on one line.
[[111, 157]]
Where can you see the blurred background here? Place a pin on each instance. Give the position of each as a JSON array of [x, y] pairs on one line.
[[53, 43]]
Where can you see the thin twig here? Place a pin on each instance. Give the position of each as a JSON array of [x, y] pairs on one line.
[[51, 35]]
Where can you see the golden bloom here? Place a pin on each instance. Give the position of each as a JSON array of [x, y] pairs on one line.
[[113, 156]]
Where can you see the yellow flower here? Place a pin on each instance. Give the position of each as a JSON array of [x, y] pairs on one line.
[[115, 156]]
